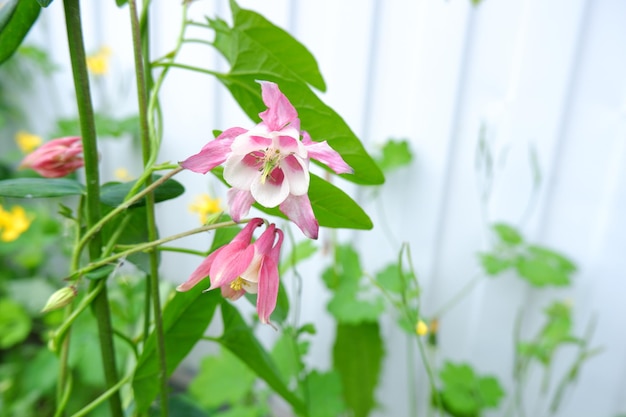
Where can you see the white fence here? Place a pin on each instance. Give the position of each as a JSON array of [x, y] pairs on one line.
[[543, 75]]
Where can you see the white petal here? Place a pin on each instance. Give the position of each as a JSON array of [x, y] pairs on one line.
[[297, 174], [239, 173], [271, 193]]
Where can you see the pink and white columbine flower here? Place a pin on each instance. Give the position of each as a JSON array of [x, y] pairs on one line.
[[56, 158], [269, 163], [241, 267]]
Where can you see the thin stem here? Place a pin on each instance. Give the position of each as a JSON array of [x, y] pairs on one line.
[[148, 150], [65, 397], [107, 394], [182, 250], [463, 292], [188, 67], [90, 156]]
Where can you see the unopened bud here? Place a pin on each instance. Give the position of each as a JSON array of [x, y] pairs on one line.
[[60, 298]]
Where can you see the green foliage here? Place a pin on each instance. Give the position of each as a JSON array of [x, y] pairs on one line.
[[106, 126], [240, 340], [114, 193], [395, 154], [44, 3], [324, 394], [555, 333], [15, 324], [13, 29], [301, 251], [357, 357], [40, 187], [351, 302], [538, 265], [222, 380], [258, 50], [185, 319], [465, 394]]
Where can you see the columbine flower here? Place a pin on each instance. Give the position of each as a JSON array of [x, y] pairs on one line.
[[27, 142], [56, 158], [269, 164], [241, 267], [205, 206], [13, 223], [98, 63]]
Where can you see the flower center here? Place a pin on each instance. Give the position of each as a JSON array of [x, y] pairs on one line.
[[271, 159], [237, 284]]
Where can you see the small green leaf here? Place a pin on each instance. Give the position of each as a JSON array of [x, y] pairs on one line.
[[40, 187], [222, 380], [508, 234], [347, 308], [114, 193], [100, 273], [185, 319], [325, 394], [16, 21], [395, 154], [390, 279], [106, 126], [240, 340], [286, 357], [121, 3], [15, 324], [357, 356], [494, 265]]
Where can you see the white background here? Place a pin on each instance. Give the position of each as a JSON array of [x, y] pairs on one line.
[[539, 75]]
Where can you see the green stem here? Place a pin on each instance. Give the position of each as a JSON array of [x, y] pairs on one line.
[[147, 150], [463, 292], [182, 250], [111, 392], [90, 155], [188, 67]]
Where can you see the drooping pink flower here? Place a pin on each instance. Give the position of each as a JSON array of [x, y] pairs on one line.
[[269, 163], [242, 266], [56, 158]]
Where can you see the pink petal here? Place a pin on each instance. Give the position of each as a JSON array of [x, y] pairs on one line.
[[230, 293], [326, 155], [298, 210], [255, 140], [201, 272], [268, 290], [213, 153], [240, 171], [273, 192], [297, 174], [239, 203], [279, 110], [245, 235], [231, 262]]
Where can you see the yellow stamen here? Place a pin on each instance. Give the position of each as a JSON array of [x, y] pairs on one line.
[[237, 284]]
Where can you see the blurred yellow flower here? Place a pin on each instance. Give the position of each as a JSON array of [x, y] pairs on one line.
[[122, 174], [421, 328], [27, 142], [13, 223], [204, 206], [98, 63]]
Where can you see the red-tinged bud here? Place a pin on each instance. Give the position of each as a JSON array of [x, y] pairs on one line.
[[56, 158]]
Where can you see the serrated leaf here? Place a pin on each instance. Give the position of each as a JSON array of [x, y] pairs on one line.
[[16, 25], [222, 380], [40, 187], [508, 234], [494, 265], [114, 193], [240, 340], [359, 368], [466, 394], [185, 319], [395, 154]]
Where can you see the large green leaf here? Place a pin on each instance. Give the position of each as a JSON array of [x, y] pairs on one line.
[[240, 340], [113, 194], [185, 319], [357, 356], [40, 187], [256, 52], [14, 30]]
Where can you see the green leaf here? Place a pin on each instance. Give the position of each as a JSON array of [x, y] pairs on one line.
[[222, 380], [347, 308], [106, 126], [332, 207], [130, 228], [466, 394], [114, 193], [179, 405], [14, 28], [541, 267], [15, 324], [390, 279], [325, 394], [121, 3], [508, 234], [395, 154], [100, 273], [286, 357], [44, 3], [185, 319], [240, 340], [357, 356], [40, 187], [303, 250], [252, 60], [494, 265]]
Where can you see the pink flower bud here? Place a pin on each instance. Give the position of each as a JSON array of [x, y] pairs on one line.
[[56, 158]]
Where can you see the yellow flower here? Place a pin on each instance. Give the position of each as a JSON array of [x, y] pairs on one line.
[[204, 205], [122, 174], [13, 223], [98, 63], [27, 142], [421, 328]]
